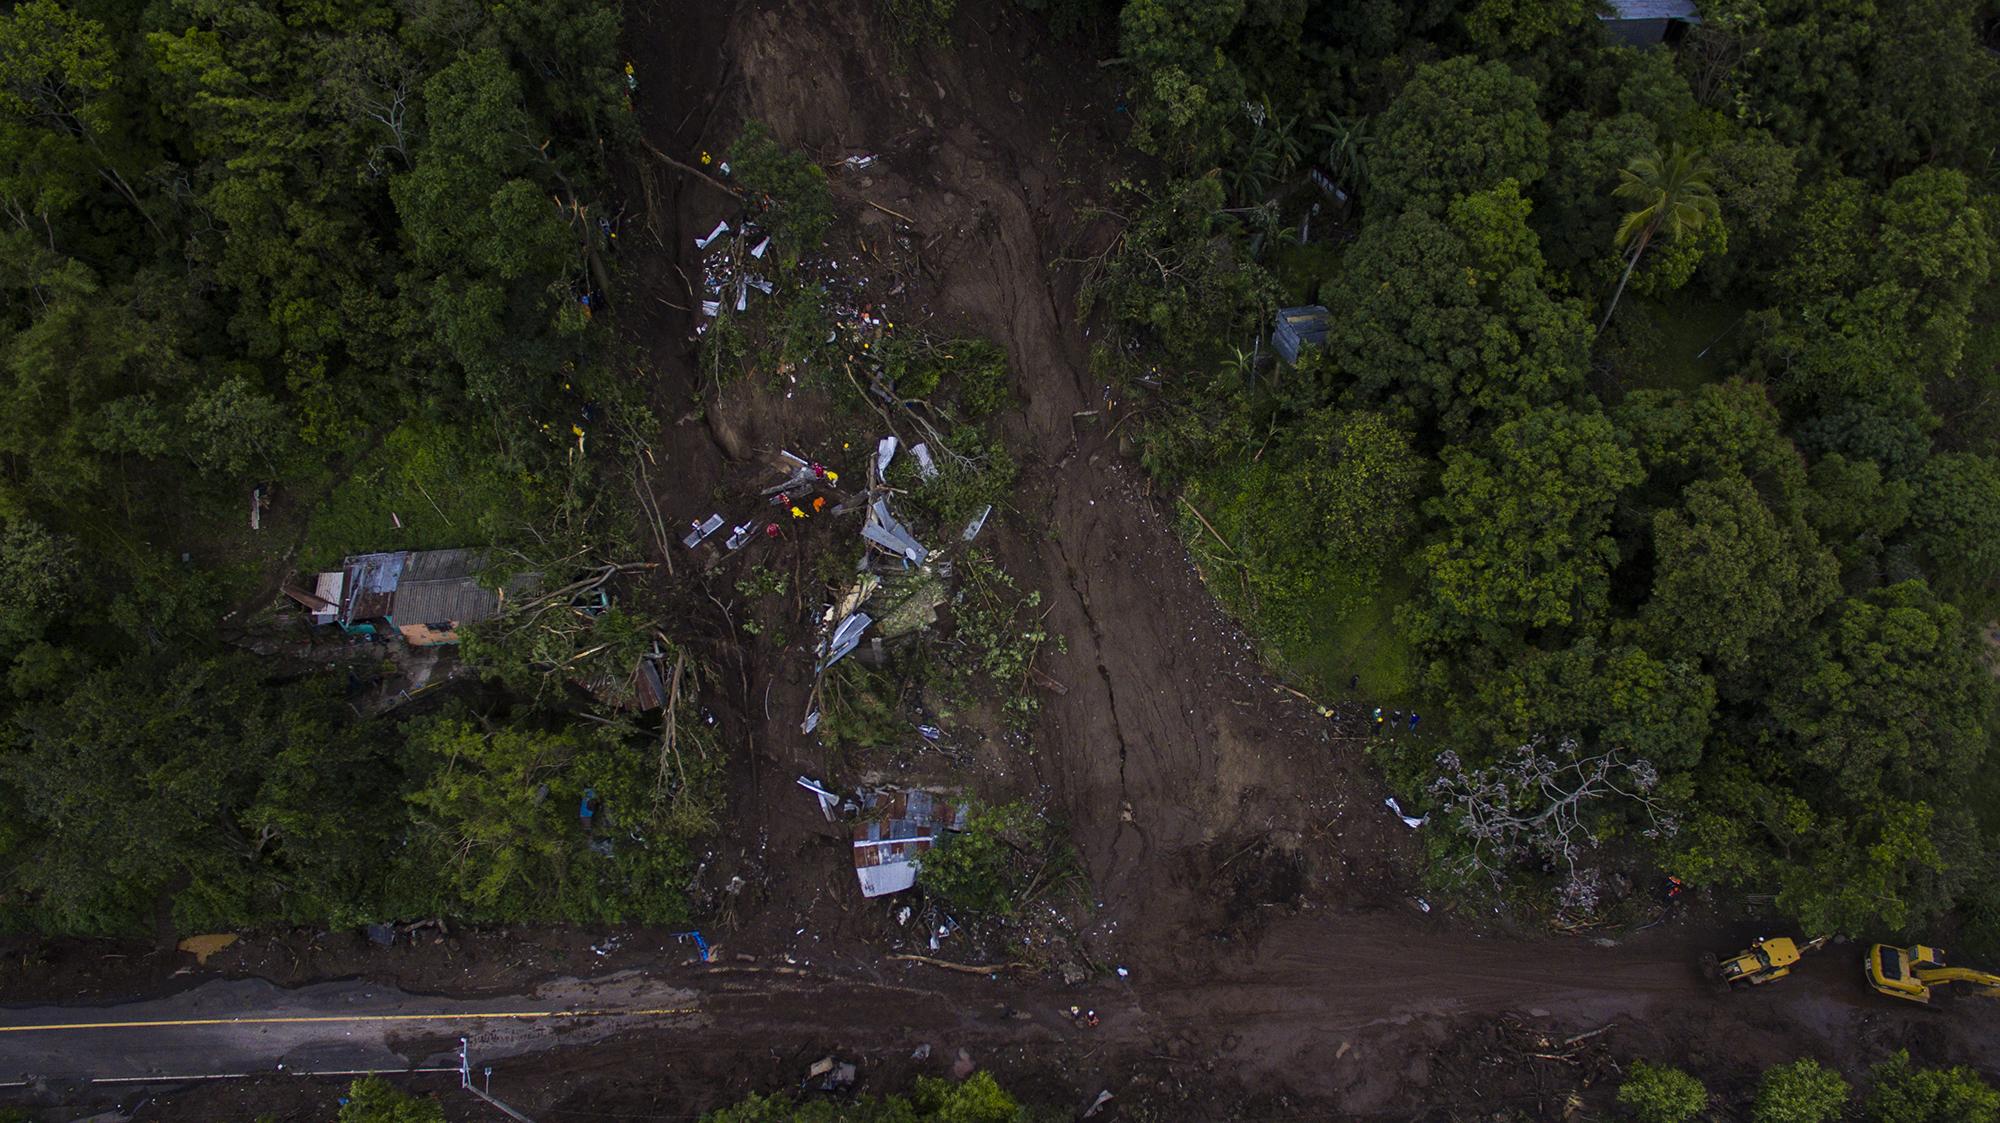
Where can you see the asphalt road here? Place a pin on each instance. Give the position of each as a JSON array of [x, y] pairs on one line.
[[251, 1026]]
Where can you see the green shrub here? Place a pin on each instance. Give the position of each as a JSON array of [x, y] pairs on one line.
[[1907, 1094], [1662, 1094], [996, 863], [1801, 1092], [372, 1099], [801, 199]]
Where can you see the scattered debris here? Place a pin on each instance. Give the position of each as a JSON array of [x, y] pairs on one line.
[[381, 935], [923, 1052], [1408, 821], [701, 947], [829, 1075], [607, 947], [926, 467], [721, 228], [859, 163], [201, 947], [885, 531], [845, 638], [1123, 973], [1097, 1105]]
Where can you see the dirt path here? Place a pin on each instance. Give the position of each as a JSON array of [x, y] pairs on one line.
[[1345, 1016]]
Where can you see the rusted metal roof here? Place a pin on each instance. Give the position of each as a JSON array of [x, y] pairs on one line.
[[368, 585]]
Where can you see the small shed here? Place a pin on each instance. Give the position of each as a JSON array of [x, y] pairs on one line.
[[1297, 329], [1642, 23]]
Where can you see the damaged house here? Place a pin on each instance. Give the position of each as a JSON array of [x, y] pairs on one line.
[[899, 827], [424, 596]]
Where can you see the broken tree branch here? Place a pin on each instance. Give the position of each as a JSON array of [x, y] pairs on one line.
[[962, 968]]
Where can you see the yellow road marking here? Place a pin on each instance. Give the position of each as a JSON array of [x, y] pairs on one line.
[[326, 1018]]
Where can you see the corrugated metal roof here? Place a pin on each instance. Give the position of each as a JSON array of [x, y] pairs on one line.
[[1651, 9]]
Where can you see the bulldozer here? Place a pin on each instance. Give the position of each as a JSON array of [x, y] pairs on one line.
[[1913, 971], [1767, 961]]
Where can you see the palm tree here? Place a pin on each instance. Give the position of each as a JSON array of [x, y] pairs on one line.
[[1673, 198]]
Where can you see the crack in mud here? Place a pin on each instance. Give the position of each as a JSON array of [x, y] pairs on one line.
[[1097, 652]]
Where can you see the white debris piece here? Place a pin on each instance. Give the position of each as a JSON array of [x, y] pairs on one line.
[[925, 466], [757, 251], [827, 800], [1397, 810], [885, 451], [977, 524], [721, 228]]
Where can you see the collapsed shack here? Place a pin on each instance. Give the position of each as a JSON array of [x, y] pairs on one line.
[[893, 829], [896, 829]]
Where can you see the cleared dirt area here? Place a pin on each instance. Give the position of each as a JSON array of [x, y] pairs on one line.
[[1242, 868]]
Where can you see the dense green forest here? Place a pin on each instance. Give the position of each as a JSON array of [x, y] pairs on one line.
[[1652, 449], [340, 251]]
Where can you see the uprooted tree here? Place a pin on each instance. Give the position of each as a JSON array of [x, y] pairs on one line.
[[1543, 803]]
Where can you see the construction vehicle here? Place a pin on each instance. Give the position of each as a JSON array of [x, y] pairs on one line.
[[1767, 961], [1911, 972]]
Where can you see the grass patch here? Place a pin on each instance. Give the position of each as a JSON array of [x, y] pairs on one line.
[[1320, 623], [1660, 343], [1354, 634], [438, 484]]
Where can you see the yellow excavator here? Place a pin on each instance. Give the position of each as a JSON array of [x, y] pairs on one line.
[[1767, 961], [1911, 972]]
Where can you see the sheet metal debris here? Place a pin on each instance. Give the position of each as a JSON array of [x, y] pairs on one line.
[[845, 639], [700, 531], [828, 801], [714, 235], [883, 529], [925, 466], [977, 524], [1397, 810]]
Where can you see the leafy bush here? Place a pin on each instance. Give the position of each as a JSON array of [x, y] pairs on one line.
[[1801, 1092], [801, 198], [912, 22], [372, 1099], [1907, 1094], [977, 1099], [1661, 1094], [990, 640], [1004, 854]]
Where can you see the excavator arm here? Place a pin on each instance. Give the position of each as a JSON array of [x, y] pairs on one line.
[[1987, 982]]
